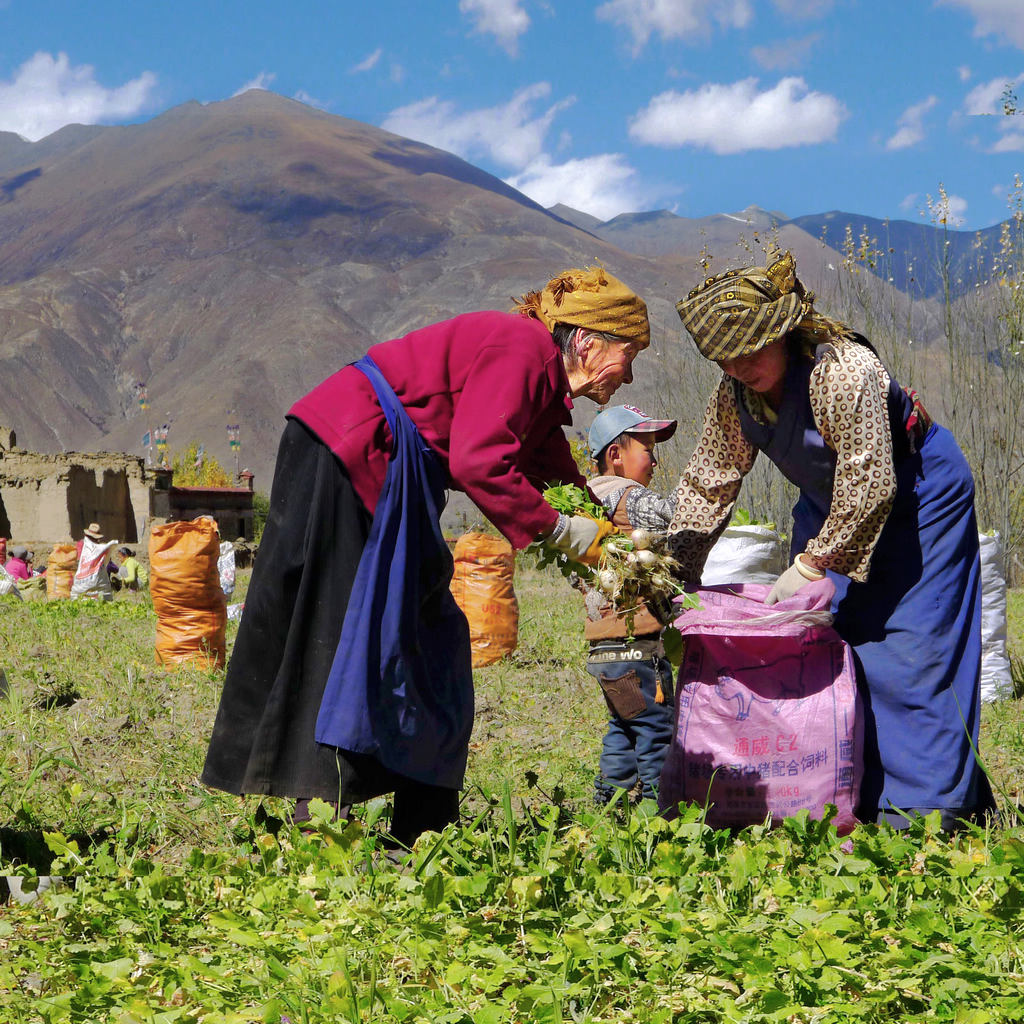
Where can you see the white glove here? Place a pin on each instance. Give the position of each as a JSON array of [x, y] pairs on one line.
[[797, 576], [581, 538]]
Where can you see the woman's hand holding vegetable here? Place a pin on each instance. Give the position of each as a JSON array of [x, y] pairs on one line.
[[580, 537]]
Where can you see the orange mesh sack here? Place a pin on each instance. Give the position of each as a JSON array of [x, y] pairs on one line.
[[187, 598], [482, 588], [60, 571]]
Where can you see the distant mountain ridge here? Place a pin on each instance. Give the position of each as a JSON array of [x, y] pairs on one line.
[[916, 258], [229, 256]]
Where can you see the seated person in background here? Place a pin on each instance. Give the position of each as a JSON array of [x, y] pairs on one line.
[[634, 675], [131, 574], [18, 564]]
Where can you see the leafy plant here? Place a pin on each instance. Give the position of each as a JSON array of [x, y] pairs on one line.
[[181, 904], [634, 570], [743, 517], [571, 500]]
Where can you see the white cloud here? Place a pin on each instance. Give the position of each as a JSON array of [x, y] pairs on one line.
[[510, 135], [367, 63], [987, 97], [945, 208], [1009, 142], [956, 210], [507, 134], [262, 81], [504, 19], [804, 8], [964, 72], [995, 17], [785, 54], [47, 93], [909, 202], [910, 128], [602, 185], [735, 118], [304, 97], [689, 20]]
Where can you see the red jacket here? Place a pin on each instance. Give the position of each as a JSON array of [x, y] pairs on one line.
[[18, 568], [489, 394]]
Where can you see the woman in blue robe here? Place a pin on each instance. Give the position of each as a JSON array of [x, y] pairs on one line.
[[886, 510]]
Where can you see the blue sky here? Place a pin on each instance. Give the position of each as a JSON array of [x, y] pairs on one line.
[[696, 106]]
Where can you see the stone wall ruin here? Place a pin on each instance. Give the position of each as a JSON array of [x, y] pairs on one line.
[[51, 497]]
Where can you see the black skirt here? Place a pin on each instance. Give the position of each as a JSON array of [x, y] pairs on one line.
[[263, 737]]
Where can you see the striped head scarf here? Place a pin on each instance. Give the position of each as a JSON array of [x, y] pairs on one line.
[[743, 310], [591, 299]]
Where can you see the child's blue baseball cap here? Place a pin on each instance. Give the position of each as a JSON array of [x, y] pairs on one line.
[[625, 419]]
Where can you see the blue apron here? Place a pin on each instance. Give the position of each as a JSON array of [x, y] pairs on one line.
[[915, 624], [401, 684]]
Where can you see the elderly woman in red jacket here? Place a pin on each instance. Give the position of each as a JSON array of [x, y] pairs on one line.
[[350, 675]]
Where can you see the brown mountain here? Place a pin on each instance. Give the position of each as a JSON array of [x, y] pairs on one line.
[[232, 255]]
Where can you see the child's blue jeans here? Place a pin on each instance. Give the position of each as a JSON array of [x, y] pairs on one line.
[[640, 725]]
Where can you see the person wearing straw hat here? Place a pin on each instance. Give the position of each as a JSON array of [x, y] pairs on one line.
[[350, 676], [886, 510], [93, 532]]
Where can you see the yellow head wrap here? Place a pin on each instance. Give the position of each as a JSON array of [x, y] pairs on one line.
[[591, 299]]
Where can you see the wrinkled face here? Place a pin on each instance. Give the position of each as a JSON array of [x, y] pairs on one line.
[[635, 459], [606, 366], [762, 371]]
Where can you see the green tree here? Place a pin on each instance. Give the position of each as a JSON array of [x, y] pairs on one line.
[[209, 472]]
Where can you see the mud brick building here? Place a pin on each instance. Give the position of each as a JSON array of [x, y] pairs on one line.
[[230, 506], [51, 497]]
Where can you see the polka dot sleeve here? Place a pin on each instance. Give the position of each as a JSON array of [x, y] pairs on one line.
[[849, 398], [710, 483]]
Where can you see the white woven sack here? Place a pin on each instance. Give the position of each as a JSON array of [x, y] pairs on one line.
[[8, 584], [745, 554], [91, 579], [996, 681], [226, 567]]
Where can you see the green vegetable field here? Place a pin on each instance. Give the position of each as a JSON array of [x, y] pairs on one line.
[[181, 904]]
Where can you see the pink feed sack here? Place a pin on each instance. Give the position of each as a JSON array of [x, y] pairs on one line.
[[768, 719]]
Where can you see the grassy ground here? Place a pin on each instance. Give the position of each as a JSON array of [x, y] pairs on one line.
[[1002, 722], [189, 905], [94, 733]]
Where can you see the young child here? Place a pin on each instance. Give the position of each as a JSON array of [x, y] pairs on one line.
[[634, 675]]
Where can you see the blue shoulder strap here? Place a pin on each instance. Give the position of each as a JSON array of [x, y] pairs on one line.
[[401, 684]]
